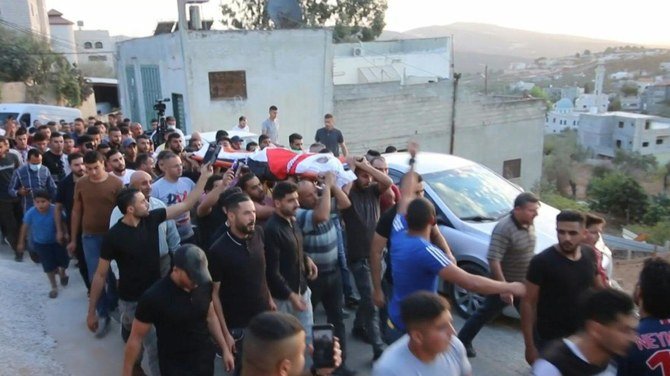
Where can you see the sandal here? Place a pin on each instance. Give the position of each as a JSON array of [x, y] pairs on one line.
[[53, 294], [64, 280]]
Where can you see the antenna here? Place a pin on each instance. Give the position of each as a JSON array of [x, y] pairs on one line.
[[285, 14]]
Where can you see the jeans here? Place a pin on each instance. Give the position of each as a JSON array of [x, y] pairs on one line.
[[327, 289], [149, 343], [108, 297], [391, 332], [367, 316], [8, 223], [342, 260], [492, 308], [305, 317]]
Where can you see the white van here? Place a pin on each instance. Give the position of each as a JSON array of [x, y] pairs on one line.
[[27, 113]]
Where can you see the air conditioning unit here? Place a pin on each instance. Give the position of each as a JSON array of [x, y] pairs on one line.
[[358, 51]]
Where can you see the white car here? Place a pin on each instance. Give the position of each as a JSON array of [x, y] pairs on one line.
[[469, 200], [210, 137]]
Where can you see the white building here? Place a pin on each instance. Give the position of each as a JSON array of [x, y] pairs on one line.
[[407, 61], [604, 133], [62, 36], [95, 47], [596, 102], [25, 16], [562, 116]]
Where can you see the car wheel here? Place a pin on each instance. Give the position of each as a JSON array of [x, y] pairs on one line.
[[467, 302]]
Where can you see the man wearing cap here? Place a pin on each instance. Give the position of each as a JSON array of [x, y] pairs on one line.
[[236, 143], [134, 243], [180, 307], [130, 153]]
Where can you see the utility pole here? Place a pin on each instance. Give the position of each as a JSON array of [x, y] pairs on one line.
[[457, 76]]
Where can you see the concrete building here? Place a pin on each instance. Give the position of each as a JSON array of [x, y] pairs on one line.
[[95, 47], [596, 102], [25, 16], [62, 36], [562, 116], [655, 99], [604, 133]]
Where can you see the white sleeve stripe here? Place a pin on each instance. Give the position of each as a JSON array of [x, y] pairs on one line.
[[397, 224], [439, 255]]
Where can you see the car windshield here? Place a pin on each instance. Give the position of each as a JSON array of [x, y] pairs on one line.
[[473, 193], [5, 115]]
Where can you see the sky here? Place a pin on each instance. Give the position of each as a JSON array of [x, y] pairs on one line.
[[640, 22]]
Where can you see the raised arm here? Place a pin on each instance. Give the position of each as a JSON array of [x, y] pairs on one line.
[[409, 181], [174, 211], [384, 181], [212, 197]]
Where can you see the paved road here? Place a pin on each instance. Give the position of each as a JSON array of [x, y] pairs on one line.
[[500, 345]]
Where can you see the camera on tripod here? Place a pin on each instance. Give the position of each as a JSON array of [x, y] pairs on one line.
[[159, 136], [160, 107]]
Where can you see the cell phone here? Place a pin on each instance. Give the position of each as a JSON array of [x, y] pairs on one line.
[[324, 346], [212, 153]]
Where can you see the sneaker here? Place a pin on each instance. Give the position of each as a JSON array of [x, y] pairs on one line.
[[18, 257], [64, 280], [360, 334], [53, 294], [469, 350], [103, 327]]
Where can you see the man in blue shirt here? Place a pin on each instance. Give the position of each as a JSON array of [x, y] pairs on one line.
[[417, 264], [650, 356]]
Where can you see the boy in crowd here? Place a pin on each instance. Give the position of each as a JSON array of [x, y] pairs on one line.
[[44, 229]]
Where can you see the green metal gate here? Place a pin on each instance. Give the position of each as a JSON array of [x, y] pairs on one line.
[[132, 95], [151, 90]]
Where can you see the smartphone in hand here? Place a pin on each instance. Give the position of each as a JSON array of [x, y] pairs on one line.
[[211, 154], [324, 346]]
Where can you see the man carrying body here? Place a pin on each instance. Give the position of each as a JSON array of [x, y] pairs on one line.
[[607, 330], [295, 143], [360, 220], [331, 137], [650, 356], [94, 200], [172, 189], [180, 307], [288, 268], [321, 245], [430, 347], [556, 277], [510, 250], [270, 126], [237, 265], [252, 186]]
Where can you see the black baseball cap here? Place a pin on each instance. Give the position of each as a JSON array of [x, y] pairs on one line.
[[192, 260]]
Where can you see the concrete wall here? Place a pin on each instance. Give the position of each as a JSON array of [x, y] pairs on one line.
[[90, 55], [490, 132], [27, 14], [62, 40], [494, 130]]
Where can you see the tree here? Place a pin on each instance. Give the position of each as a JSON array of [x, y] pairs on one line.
[[560, 150], [586, 52], [29, 59], [629, 90], [618, 194], [353, 20], [634, 163]]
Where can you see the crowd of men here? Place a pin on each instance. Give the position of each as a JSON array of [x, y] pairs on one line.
[[196, 261]]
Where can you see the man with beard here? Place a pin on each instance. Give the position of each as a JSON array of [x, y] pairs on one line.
[[555, 279], [144, 144], [237, 265], [55, 159], [134, 243], [252, 186], [288, 268], [65, 200], [117, 164]]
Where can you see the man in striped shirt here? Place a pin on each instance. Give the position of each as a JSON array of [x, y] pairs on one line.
[[511, 248], [417, 264], [320, 244]]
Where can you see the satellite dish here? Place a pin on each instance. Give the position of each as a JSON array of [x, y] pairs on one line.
[[285, 14]]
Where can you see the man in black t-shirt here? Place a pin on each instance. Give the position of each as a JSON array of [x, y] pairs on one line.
[[8, 204], [55, 159], [237, 265], [331, 137], [133, 243], [555, 280], [180, 307]]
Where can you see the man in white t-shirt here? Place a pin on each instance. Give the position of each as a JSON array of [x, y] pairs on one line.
[[430, 347], [241, 125], [117, 164], [172, 189]]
